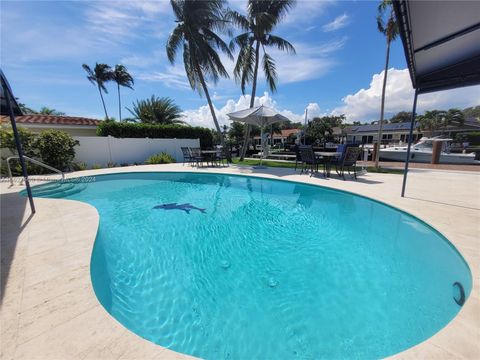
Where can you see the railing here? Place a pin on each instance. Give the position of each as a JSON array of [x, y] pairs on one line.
[[32, 161]]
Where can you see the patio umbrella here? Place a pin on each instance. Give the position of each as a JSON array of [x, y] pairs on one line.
[[261, 116]]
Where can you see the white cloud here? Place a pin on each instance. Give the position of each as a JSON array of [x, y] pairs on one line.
[[203, 117], [339, 22], [306, 11], [120, 19], [364, 105], [311, 61], [173, 76]]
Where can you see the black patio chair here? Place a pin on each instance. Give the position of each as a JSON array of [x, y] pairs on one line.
[[187, 155], [221, 156], [197, 157], [349, 161], [309, 160], [298, 157]]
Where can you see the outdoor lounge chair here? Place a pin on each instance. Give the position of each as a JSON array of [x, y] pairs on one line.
[[309, 160], [349, 161], [187, 156]]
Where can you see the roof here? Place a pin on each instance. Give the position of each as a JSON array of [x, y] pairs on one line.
[[441, 41], [403, 126], [37, 119], [288, 132]]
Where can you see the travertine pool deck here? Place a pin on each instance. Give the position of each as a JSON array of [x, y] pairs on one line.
[[49, 309]]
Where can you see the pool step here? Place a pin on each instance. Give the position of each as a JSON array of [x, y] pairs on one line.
[[58, 190]]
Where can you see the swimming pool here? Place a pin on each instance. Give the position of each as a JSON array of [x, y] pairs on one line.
[[270, 269]]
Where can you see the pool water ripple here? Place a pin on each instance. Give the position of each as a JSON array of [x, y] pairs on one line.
[[273, 269]]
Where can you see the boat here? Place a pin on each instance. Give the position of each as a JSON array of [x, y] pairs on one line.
[[422, 152]]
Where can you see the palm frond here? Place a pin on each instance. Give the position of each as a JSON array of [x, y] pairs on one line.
[[218, 42], [270, 71], [122, 77], [238, 20], [280, 43], [174, 42], [157, 111]]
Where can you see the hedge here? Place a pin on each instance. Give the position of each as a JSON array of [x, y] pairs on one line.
[[472, 137], [155, 131]]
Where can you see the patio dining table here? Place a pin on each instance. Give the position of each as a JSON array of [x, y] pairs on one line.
[[210, 155], [327, 157]]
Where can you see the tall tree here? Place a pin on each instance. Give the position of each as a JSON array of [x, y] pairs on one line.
[[402, 116], [47, 111], [432, 121], [100, 74], [261, 19], [197, 23], [121, 76], [435, 120], [156, 111], [387, 25]]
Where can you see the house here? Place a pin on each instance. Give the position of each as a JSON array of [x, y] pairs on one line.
[[282, 137], [398, 132], [73, 125]]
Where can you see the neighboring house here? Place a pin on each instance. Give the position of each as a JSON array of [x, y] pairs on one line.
[[74, 125], [398, 132], [281, 137]]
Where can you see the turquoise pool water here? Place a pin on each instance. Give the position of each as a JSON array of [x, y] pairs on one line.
[[269, 270]]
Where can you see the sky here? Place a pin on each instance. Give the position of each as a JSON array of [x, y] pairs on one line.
[[337, 69]]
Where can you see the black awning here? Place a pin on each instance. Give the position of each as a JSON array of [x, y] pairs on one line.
[[441, 40], [3, 108]]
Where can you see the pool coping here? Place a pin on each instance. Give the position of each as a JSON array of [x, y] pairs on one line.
[[445, 343]]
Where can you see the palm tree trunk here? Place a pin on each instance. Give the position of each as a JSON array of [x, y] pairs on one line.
[[103, 102], [119, 103], [382, 109], [252, 101], [212, 110]]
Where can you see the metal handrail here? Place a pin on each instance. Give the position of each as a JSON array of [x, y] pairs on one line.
[[33, 161]]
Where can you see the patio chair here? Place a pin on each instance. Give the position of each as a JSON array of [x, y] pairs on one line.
[[197, 157], [342, 149], [309, 160], [221, 156], [187, 155], [298, 157], [349, 161]]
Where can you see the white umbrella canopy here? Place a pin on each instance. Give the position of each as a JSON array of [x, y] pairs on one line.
[[261, 116]]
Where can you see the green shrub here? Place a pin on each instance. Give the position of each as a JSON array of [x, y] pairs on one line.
[[162, 158], [56, 148], [472, 137], [27, 138], [79, 166], [111, 164], [154, 131], [52, 147], [96, 166]]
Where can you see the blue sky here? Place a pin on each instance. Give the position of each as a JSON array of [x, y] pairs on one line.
[[337, 69]]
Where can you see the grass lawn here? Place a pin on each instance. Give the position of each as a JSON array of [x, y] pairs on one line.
[[272, 163]]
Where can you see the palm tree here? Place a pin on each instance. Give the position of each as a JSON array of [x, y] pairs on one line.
[[387, 25], [435, 120], [432, 121], [101, 74], [262, 17], [157, 111], [121, 76], [47, 111], [197, 21]]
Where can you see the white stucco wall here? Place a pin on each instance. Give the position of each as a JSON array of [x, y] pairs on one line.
[[102, 150]]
